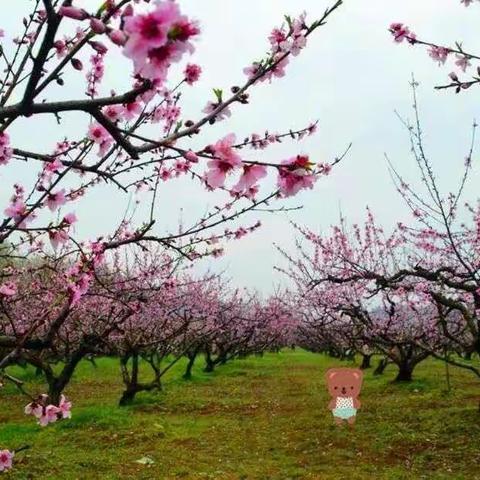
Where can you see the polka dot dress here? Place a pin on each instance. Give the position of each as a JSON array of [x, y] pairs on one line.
[[344, 402]]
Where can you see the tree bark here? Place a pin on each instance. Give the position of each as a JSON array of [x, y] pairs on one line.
[[382, 364], [366, 361], [209, 364], [188, 371], [405, 370]]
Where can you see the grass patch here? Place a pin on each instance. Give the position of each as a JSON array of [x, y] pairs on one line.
[[255, 418]]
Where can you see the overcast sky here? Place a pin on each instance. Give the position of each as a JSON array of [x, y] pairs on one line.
[[351, 78]]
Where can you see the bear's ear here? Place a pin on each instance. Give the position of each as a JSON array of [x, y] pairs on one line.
[[331, 372], [358, 374]]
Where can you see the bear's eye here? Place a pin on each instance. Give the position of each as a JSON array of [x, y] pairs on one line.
[[335, 388], [351, 388]]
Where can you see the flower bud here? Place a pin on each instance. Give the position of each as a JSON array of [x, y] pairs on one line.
[[118, 37], [73, 12], [77, 64], [97, 26]]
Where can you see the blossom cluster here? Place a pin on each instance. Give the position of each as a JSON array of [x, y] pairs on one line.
[[287, 39], [153, 41], [6, 151], [438, 53], [48, 413], [294, 174]]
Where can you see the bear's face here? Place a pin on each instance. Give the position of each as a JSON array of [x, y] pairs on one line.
[[344, 382]]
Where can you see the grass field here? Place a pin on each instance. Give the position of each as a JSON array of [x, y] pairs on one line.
[[259, 418]]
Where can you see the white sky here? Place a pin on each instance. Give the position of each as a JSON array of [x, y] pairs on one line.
[[351, 78]]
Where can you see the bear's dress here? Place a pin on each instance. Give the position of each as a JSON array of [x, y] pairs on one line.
[[344, 408]]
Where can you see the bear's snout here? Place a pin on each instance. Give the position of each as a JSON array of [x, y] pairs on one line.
[[344, 390]]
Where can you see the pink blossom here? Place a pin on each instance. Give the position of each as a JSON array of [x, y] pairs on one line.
[[251, 175], [211, 107], [49, 415], [278, 70], [400, 32], [149, 31], [8, 289], [192, 73], [253, 70], [2, 33], [113, 112], [224, 162], [35, 409], [56, 200], [65, 407], [462, 61], [217, 252], [294, 45], [325, 168], [157, 39], [131, 110], [277, 36], [99, 134], [251, 193], [17, 209], [98, 252], [181, 167], [295, 175], [57, 238], [60, 47], [6, 152], [6, 460], [439, 54], [70, 218], [159, 60], [79, 289], [54, 165]]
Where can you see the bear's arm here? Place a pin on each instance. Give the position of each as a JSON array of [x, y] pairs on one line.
[[356, 403], [332, 404]]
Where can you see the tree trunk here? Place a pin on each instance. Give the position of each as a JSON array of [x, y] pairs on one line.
[[382, 364], [54, 393], [405, 370], [188, 371], [128, 396], [56, 384], [209, 364], [366, 361], [130, 380]]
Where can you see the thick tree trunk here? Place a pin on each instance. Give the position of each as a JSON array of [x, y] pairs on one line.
[[366, 361], [57, 384], [382, 365], [54, 394], [128, 396], [405, 370]]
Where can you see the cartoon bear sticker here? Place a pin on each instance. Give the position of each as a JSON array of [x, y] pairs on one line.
[[344, 385]]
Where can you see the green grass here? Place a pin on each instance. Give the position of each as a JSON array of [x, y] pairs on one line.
[[259, 418]]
